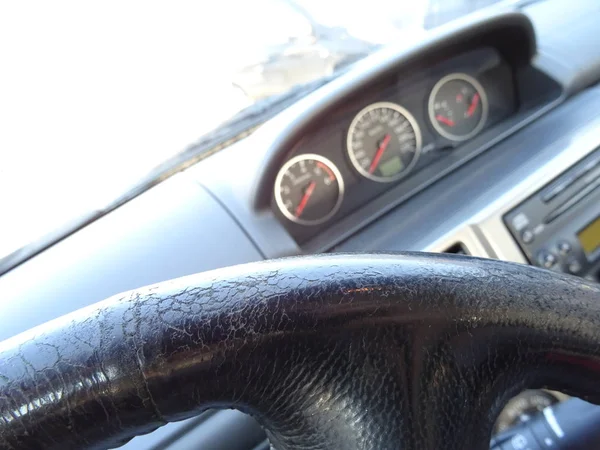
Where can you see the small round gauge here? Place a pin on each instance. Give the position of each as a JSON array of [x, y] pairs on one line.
[[523, 407], [309, 189], [458, 107], [384, 142]]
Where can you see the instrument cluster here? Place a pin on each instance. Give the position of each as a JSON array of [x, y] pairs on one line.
[[387, 134]]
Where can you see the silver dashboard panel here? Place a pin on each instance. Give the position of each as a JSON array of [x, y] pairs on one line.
[[484, 233]]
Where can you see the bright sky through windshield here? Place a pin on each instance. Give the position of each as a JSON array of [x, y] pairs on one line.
[[94, 95]]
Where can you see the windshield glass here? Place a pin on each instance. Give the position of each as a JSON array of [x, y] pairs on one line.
[[95, 95]]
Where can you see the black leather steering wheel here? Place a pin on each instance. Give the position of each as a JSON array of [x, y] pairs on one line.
[[411, 351]]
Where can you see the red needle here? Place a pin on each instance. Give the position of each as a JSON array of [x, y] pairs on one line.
[[473, 105], [379, 153], [444, 120], [305, 197]]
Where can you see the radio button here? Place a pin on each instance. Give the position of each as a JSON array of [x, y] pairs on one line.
[[546, 259], [564, 247], [574, 266], [527, 236]]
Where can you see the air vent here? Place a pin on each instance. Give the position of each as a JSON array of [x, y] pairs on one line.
[[458, 249]]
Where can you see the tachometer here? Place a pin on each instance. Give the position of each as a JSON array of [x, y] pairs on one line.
[[384, 141], [458, 107], [309, 189]]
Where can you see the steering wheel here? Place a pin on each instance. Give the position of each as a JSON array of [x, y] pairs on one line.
[[410, 351]]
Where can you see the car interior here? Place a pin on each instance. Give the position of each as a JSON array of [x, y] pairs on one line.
[[408, 256]]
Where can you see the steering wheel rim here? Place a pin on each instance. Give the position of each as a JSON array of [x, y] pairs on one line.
[[414, 351]]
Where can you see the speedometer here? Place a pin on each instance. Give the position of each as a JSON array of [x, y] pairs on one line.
[[384, 141]]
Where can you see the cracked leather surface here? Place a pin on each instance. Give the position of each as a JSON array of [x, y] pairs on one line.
[[413, 351]]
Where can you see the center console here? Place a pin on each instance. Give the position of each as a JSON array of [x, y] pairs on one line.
[[558, 228]]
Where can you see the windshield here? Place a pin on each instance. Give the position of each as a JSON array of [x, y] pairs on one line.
[[95, 95]]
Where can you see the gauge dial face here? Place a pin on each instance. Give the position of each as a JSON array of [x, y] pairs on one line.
[[458, 107], [309, 189], [384, 142]]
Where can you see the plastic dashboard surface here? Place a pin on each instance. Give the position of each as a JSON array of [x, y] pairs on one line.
[[411, 91]]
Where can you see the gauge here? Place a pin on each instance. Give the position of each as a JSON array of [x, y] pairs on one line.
[[458, 107], [384, 141], [523, 407], [309, 189]]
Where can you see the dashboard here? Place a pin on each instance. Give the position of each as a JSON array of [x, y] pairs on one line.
[[439, 182], [331, 165], [390, 132]]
